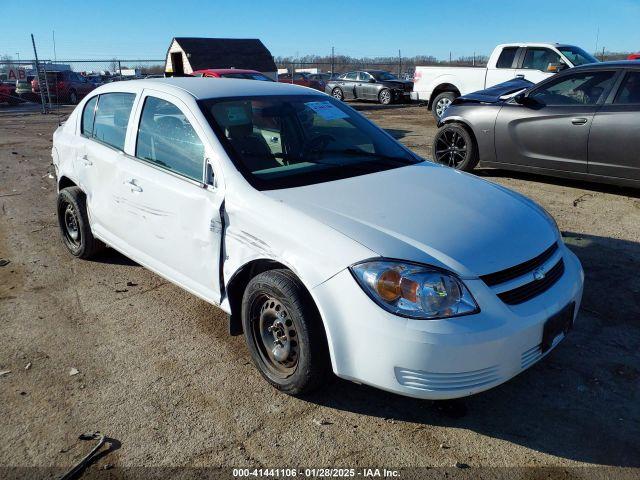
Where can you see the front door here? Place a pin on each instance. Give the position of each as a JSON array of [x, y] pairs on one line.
[[551, 129], [171, 220], [615, 133]]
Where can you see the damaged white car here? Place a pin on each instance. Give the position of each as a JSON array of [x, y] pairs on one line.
[[331, 246]]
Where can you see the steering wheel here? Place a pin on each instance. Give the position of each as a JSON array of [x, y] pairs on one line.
[[317, 144]]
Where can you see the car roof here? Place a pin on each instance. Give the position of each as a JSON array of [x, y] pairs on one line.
[[605, 65], [201, 88]]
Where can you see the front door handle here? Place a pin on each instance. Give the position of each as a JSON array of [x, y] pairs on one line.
[[579, 121], [86, 161], [133, 185]]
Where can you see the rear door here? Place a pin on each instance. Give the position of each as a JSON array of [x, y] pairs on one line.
[[615, 132], [169, 218], [538, 63], [552, 130], [348, 84], [104, 128], [504, 69]]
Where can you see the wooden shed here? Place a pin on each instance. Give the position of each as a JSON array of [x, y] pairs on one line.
[[187, 54]]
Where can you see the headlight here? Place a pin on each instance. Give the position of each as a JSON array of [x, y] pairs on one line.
[[415, 291]]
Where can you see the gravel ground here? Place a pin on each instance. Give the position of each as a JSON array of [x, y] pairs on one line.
[[158, 372]]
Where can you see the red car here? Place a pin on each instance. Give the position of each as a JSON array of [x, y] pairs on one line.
[[8, 93], [302, 78], [634, 56], [65, 86], [231, 73]]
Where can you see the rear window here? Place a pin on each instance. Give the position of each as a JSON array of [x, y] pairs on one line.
[[87, 117], [112, 118], [506, 57]]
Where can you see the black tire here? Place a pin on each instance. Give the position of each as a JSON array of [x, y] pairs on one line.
[[441, 103], [385, 97], [338, 94], [74, 224], [455, 147], [277, 299], [73, 97]]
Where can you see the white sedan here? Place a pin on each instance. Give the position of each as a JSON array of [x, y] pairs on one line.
[[331, 246]]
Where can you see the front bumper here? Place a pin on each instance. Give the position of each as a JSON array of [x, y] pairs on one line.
[[440, 359]]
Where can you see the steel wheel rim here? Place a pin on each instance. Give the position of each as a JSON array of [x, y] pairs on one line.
[[71, 226], [275, 336], [385, 96], [337, 94], [442, 106], [450, 148]]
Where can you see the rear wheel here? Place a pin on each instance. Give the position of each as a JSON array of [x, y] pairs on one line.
[[441, 103], [337, 93], [284, 332], [453, 146], [74, 224], [73, 97]]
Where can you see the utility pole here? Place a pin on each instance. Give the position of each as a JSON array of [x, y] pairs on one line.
[[40, 76], [399, 64], [332, 60]]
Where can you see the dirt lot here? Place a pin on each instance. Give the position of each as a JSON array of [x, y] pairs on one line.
[[158, 372]]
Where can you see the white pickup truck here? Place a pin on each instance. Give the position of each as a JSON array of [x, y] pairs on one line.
[[439, 86]]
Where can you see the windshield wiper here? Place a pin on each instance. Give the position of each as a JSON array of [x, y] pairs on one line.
[[355, 152]]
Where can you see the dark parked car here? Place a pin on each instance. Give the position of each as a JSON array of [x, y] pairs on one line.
[[303, 79], [582, 123], [65, 86], [377, 85], [8, 93]]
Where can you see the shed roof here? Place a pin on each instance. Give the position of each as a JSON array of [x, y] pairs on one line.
[[249, 53]]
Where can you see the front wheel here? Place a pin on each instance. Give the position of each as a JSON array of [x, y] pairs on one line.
[[384, 97], [453, 146], [73, 97], [441, 103], [284, 332]]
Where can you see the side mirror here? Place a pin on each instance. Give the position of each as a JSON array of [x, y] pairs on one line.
[[524, 99], [556, 67]]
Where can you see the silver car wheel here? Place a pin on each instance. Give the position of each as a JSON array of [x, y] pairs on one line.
[[385, 97], [442, 105]]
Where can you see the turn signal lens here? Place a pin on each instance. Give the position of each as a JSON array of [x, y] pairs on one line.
[[388, 285]]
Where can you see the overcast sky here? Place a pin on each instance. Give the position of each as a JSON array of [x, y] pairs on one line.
[[142, 29]]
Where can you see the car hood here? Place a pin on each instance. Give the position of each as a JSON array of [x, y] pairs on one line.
[[430, 214], [494, 94]]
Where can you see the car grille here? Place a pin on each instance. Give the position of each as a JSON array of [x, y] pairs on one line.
[[521, 269], [528, 290], [535, 288]]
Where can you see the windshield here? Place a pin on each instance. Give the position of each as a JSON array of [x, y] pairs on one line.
[[577, 56], [295, 140], [383, 76], [247, 76]]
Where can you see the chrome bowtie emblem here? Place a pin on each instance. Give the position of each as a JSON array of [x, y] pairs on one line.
[[538, 274]]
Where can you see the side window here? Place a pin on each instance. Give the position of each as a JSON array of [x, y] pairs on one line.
[[364, 76], [87, 117], [629, 90], [577, 89], [112, 118], [351, 76], [539, 59], [505, 60], [166, 138]]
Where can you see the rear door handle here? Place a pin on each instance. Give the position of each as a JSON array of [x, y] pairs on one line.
[[133, 185], [579, 121]]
